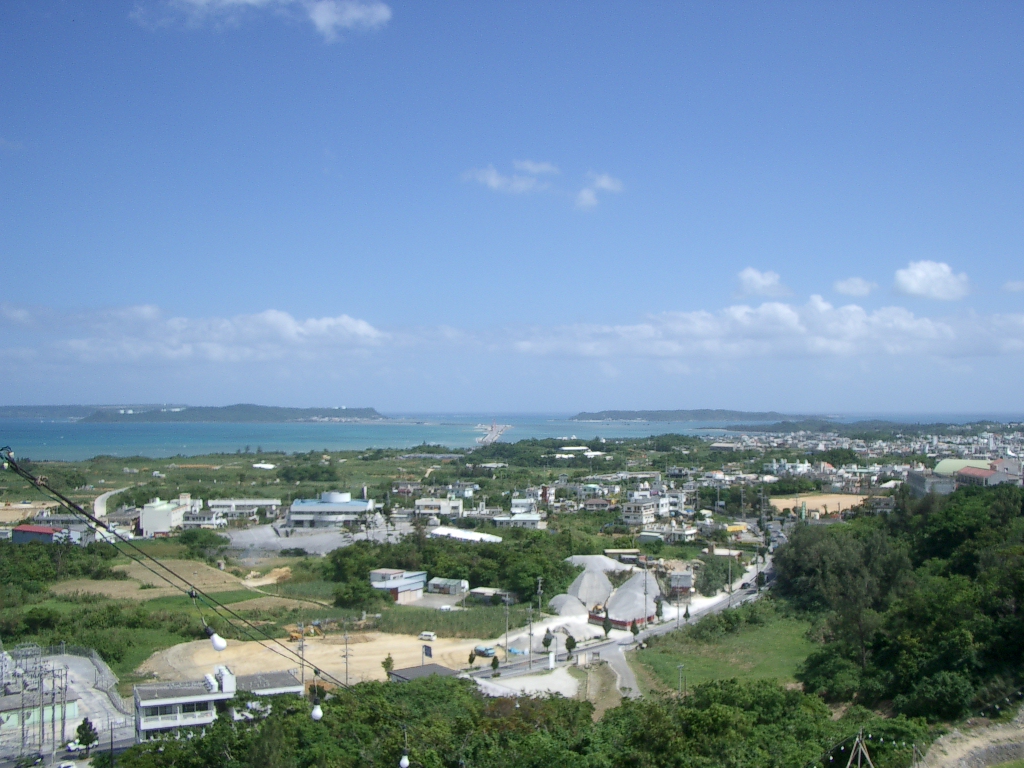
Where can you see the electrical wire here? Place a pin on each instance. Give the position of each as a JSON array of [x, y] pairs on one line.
[[190, 590]]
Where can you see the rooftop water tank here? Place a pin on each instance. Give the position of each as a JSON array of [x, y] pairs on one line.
[[335, 497]]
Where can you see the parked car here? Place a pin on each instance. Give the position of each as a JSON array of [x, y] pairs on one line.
[[484, 650], [431, 636]]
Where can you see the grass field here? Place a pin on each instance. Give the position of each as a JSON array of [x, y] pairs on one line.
[[1014, 764], [772, 650]]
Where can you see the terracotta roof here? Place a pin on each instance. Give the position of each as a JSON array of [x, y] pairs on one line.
[[37, 529], [976, 472]]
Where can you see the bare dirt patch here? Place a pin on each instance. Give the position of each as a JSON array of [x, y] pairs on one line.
[[825, 503], [274, 576], [988, 745], [182, 572], [190, 661]]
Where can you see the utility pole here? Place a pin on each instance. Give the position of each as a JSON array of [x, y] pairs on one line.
[[529, 644], [506, 600], [346, 654], [302, 653], [540, 592], [680, 668]]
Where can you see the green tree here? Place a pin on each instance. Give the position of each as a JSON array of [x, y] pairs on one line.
[[546, 642], [570, 646], [389, 664], [634, 629], [494, 663], [658, 609], [472, 657], [87, 735], [606, 625]]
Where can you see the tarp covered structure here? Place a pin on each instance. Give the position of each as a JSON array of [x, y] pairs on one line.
[[591, 588], [567, 605], [628, 604]]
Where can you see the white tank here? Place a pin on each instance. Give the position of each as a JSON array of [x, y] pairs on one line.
[[335, 497]]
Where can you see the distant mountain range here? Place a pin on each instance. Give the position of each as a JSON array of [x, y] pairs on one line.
[[240, 414], [700, 414]]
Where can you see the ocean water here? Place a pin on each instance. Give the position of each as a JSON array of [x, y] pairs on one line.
[[75, 441]]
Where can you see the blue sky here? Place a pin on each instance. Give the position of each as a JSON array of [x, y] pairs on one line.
[[513, 207]]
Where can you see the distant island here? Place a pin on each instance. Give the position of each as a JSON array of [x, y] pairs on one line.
[[700, 414], [238, 414]]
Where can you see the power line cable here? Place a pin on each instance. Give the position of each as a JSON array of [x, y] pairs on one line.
[[43, 486]]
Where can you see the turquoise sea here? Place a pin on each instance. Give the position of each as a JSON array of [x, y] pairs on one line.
[[74, 441]]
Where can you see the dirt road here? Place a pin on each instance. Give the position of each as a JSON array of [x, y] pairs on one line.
[[979, 747]]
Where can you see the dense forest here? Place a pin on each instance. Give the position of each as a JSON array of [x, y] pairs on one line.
[[448, 725], [924, 606]]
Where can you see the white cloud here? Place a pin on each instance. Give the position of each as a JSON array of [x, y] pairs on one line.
[[932, 280], [535, 168], [1014, 286], [779, 330], [753, 282], [854, 286], [143, 333], [330, 17], [492, 179], [599, 182]]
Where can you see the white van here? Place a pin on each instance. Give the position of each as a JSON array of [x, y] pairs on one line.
[[431, 636]]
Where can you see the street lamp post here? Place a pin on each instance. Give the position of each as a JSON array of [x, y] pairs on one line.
[[679, 667]]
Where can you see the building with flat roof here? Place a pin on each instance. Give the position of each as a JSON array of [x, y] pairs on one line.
[[234, 509], [440, 586], [331, 510], [404, 586], [924, 482], [166, 707], [428, 507], [160, 517], [531, 520]]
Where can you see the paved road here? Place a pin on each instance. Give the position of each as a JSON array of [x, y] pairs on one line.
[[613, 650], [99, 506]]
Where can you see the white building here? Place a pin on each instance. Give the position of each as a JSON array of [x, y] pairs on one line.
[[438, 507], [533, 521], [206, 519], [233, 509], [165, 707], [644, 511], [404, 586], [332, 509], [162, 517], [525, 506]]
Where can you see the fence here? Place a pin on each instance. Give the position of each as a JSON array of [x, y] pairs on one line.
[[106, 680]]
